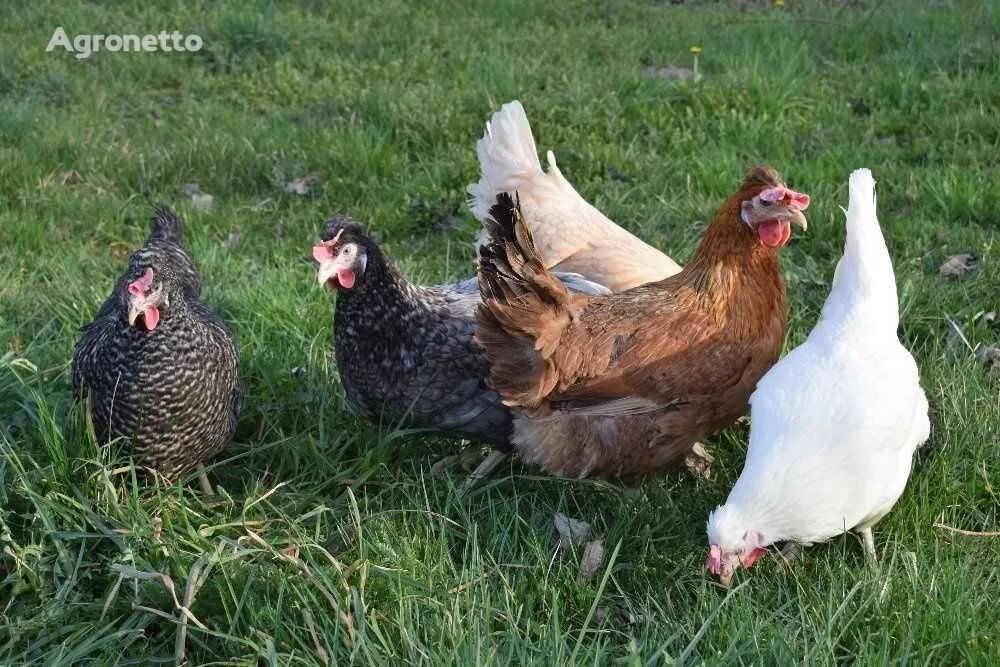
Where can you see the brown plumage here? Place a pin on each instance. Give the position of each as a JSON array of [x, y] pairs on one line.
[[624, 385]]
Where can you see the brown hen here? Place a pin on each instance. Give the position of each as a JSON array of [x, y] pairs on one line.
[[624, 385]]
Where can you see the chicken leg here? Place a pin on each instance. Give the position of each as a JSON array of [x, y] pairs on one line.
[[206, 486], [492, 460], [869, 540], [791, 552]]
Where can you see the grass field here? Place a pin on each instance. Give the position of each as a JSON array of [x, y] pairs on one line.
[[330, 538]]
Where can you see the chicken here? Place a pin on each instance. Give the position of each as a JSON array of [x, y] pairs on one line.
[[405, 353], [624, 385], [570, 234], [835, 423], [160, 368]]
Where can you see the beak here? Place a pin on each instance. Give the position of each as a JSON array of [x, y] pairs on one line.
[[326, 271], [794, 215], [141, 303], [151, 316]]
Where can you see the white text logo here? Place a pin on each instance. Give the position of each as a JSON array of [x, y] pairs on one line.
[[83, 45]]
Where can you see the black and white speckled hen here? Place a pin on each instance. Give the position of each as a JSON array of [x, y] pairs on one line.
[[160, 367], [405, 353]]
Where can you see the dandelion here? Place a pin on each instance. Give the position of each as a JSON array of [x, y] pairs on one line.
[[779, 3], [695, 50]]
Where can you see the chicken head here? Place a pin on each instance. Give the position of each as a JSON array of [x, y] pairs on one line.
[[725, 556], [145, 301], [772, 211], [342, 254]]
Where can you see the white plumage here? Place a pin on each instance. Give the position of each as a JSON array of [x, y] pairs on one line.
[[570, 234], [835, 423]]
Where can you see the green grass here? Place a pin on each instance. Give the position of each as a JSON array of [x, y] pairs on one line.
[[393, 564]]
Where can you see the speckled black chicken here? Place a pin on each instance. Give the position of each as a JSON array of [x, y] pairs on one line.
[[405, 353], [160, 368]]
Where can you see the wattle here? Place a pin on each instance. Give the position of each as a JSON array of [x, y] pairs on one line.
[[775, 233], [150, 318], [346, 277]]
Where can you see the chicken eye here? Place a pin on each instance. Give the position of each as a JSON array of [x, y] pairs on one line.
[[347, 250], [765, 203]]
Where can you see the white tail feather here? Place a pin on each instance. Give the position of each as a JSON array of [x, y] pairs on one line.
[[864, 279], [569, 233], [508, 159]]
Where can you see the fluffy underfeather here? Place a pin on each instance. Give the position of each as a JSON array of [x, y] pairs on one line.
[[570, 234], [835, 423]]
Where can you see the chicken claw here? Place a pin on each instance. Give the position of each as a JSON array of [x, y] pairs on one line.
[[699, 462], [494, 459], [791, 552], [468, 459]]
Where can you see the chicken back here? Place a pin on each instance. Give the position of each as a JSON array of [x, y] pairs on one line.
[[569, 233]]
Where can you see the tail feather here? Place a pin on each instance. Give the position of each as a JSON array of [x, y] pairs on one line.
[[165, 246], [864, 285], [508, 158], [167, 225], [524, 309], [512, 272], [570, 234]]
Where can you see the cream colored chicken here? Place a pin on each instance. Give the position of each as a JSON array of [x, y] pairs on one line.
[[570, 234]]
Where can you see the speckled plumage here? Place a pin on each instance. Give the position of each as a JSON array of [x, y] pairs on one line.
[[173, 391], [406, 354], [164, 246]]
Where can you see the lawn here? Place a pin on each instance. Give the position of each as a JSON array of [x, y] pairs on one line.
[[330, 538]]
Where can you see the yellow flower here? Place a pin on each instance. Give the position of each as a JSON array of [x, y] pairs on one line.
[[695, 50], [779, 3]]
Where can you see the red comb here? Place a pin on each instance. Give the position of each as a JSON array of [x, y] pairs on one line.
[[323, 252], [780, 193], [139, 286], [333, 241]]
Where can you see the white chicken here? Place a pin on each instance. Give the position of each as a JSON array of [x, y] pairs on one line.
[[569, 233], [836, 422]]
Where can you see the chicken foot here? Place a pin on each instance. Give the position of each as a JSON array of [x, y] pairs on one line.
[[492, 460], [791, 552], [698, 461], [467, 459]]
